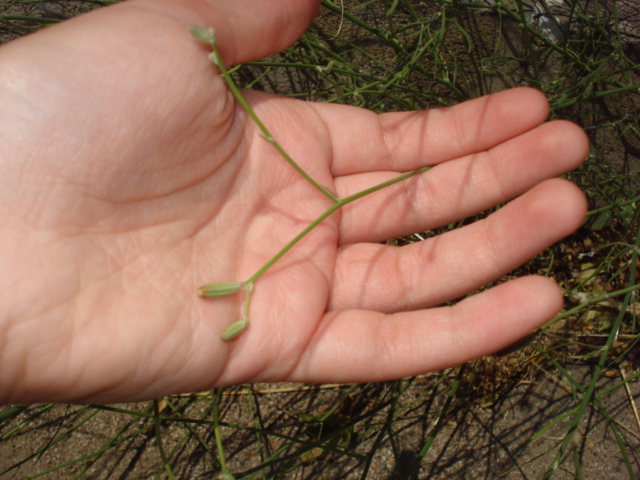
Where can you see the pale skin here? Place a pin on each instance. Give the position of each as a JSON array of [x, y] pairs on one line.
[[129, 177]]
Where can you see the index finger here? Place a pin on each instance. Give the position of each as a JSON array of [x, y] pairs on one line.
[[363, 141]]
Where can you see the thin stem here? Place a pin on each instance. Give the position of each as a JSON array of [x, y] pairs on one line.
[[215, 290], [380, 186], [158, 432], [594, 301], [217, 59], [336, 206], [295, 240], [216, 431]]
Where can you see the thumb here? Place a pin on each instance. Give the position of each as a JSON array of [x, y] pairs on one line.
[[246, 29]]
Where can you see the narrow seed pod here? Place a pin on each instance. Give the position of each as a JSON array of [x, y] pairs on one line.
[[233, 330], [222, 289]]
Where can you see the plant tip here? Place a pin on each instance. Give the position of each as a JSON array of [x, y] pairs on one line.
[[233, 330], [222, 289], [204, 35]]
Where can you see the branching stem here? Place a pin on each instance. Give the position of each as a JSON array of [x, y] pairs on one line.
[[235, 329], [217, 59]]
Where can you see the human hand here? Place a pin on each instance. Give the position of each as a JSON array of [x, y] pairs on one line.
[[130, 176]]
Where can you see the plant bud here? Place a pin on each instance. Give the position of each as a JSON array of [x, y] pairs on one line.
[[233, 330], [204, 35], [222, 289]]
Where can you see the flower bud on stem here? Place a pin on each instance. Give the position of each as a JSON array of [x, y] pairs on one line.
[[217, 290]]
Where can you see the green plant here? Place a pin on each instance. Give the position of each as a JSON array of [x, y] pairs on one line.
[[230, 288], [556, 407]]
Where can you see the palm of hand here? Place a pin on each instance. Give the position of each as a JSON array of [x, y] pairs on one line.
[[119, 223]]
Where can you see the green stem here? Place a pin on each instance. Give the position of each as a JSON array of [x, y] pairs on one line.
[[212, 291], [594, 301], [216, 431], [158, 432], [217, 59], [336, 206], [295, 240], [382, 185]]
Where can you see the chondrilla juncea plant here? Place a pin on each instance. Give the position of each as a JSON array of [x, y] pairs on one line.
[[217, 290]]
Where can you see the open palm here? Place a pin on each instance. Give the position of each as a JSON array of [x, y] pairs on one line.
[[129, 177]]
